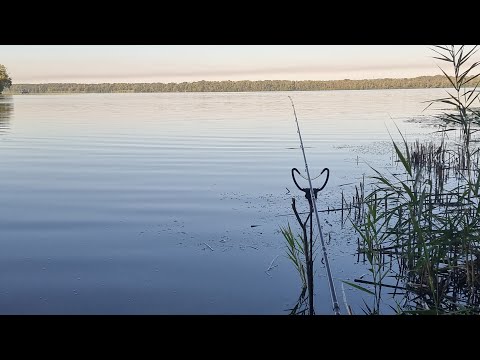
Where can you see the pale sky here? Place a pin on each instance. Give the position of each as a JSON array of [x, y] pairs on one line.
[[178, 63]]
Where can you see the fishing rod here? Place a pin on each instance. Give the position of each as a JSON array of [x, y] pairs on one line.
[[336, 308]]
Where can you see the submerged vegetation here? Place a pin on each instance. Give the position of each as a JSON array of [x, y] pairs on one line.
[[420, 82]]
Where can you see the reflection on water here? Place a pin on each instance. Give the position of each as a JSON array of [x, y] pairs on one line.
[[6, 109]]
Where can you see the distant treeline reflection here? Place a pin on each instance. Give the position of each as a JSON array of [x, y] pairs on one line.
[[437, 81], [6, 109]]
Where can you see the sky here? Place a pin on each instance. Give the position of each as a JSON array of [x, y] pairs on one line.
[[178, 63]]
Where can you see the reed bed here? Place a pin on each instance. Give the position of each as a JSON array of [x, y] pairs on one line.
[[420, 229]]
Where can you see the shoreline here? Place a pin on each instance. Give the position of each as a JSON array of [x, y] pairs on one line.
[[8, 93], [421, 82]]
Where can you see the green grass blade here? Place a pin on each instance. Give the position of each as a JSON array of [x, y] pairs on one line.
[[358, 287]]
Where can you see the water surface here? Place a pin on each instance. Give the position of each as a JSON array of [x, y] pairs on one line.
[[144, 203]]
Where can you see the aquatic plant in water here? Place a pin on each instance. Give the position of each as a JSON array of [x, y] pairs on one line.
[[420, 233]]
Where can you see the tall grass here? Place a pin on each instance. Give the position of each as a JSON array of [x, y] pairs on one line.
[[420, 237], [301, 254], [296, 254], [461, 97]]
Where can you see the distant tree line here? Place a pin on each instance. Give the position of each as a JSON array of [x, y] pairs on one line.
[[438, 81], [5, 80]]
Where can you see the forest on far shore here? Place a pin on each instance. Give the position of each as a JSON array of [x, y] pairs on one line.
[[437, 81]]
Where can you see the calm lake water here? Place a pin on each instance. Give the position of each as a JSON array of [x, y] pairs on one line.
[[144, 203]]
